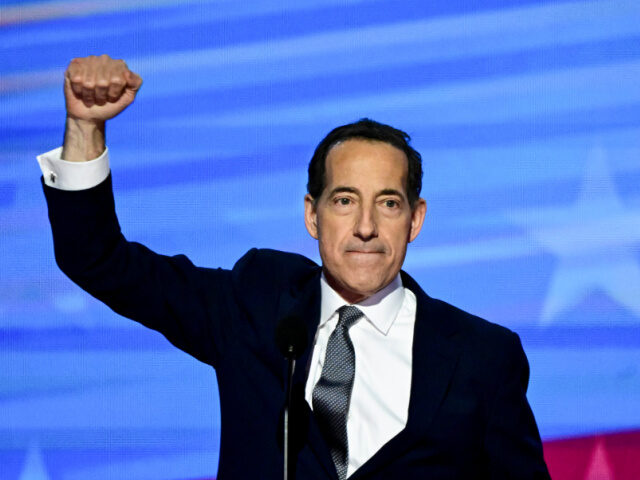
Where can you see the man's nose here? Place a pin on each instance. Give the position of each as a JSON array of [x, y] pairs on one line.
[[366, 226]]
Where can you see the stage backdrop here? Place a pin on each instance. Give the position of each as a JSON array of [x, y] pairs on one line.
[[527, 114]]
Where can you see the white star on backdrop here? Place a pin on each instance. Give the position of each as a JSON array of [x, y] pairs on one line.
[[599, 466], [34, 468], [594, 242]]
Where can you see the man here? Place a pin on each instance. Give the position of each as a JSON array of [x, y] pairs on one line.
[[394, 385]]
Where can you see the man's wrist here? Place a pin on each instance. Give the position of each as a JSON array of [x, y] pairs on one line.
[[65, 175], [83, 140]]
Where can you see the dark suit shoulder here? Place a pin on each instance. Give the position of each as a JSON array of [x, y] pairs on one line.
[[272, 267], [493, 366], [261, 276], [486, 345], [449, 320], [473, 325], [491, 355]]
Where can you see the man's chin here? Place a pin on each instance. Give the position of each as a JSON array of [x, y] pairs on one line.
[[358, 291], [358, 283]]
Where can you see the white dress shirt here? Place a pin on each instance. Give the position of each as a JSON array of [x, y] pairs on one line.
[[382, 339]]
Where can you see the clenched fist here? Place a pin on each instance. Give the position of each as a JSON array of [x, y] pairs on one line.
[[96, 89], [99, 88]]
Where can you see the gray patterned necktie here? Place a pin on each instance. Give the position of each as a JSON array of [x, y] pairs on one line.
[[332, 393]]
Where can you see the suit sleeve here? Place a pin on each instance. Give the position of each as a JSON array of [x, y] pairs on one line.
[[187, 304], [512, 439]]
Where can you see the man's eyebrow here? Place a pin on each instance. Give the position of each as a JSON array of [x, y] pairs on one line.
[[344, 189], [385, 191], [391, 191]]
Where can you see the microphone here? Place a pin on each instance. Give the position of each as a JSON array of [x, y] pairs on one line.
[[291, 340], [291, 337]]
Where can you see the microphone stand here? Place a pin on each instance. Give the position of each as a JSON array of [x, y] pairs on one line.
[[292, 365], [291, 339]]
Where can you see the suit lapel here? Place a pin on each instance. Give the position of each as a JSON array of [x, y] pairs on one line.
[[434, 358], [303, 302]]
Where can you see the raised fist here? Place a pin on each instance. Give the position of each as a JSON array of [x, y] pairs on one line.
[[99, 88]]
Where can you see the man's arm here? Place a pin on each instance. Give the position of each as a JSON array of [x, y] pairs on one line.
[[512, 440], [168, 294]]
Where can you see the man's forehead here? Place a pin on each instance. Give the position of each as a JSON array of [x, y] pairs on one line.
[[366, 159], [364, 141]]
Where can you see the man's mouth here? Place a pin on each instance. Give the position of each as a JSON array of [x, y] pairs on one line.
[[364, 251]]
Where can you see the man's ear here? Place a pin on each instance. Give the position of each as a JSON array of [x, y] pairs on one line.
[[310, 216], [417, 218]]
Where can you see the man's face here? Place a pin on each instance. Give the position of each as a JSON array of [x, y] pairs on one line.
[[363, 220]]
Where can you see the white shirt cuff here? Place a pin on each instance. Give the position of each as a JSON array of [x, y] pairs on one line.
[[65, 175]]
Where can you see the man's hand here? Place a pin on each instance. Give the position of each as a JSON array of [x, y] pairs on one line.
[[96, 89]]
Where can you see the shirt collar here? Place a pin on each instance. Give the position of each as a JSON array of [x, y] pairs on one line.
[[381, 308]]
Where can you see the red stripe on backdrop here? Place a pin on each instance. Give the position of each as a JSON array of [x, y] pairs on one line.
[[613, 456]]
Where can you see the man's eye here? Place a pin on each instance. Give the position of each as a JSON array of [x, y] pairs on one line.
[[344, 201], [390, 203]]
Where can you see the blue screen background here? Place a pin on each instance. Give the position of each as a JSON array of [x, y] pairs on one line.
[[527, 114]]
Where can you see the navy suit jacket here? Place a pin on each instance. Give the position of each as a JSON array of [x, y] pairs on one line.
[[468, 413]]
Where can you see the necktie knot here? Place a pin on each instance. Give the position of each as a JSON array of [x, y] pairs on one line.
[[348, 315]]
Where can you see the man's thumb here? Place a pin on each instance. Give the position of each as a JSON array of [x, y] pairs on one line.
[[134, 81]]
